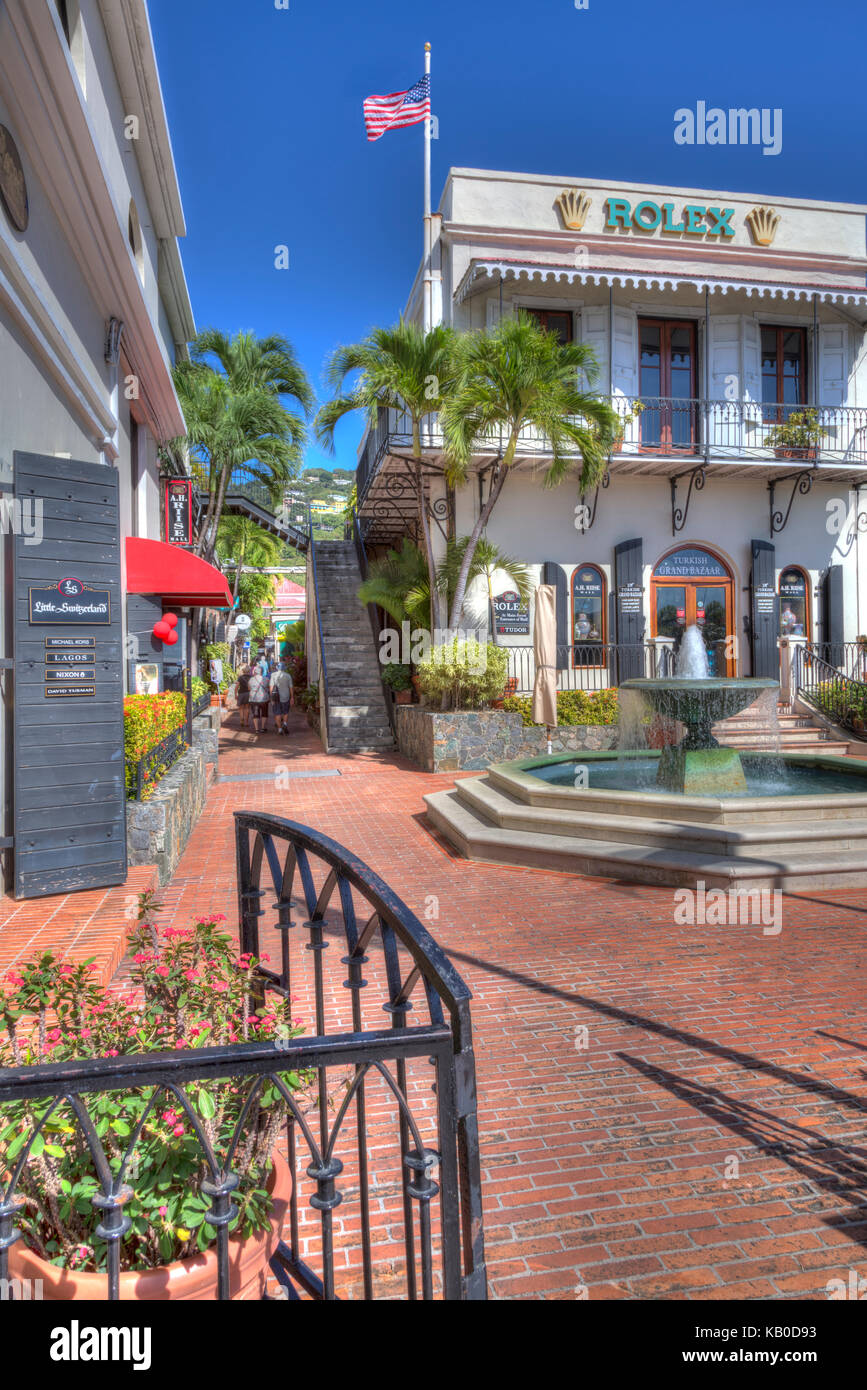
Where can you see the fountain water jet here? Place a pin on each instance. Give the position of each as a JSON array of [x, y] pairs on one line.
[[698, 766]]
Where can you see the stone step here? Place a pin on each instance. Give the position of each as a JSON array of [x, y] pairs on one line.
[[477, 838], [735, 842]]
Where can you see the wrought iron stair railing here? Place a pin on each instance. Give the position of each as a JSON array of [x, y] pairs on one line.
[[838, 696]]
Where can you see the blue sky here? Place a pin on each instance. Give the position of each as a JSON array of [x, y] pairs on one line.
[[265, 112]]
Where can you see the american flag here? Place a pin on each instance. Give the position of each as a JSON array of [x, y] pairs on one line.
[[398, 109]]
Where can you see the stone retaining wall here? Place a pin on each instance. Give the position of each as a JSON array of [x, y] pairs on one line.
[[457, 741], [157, 830]]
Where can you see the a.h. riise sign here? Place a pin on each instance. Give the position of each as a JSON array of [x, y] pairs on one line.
[[692, 219]]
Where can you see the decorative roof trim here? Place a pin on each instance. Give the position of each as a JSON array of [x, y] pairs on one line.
[[534, 271]]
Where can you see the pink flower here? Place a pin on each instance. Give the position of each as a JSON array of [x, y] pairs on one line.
[[112, 1052], [86, 1032], [141, 959], [171, 1117], [178, 1131], [162, 970], [164, 1211]]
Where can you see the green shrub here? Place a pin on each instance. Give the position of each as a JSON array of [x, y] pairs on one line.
[[309, 697], [573, 707], [397, 677], [147, 720], [469, 673], [199, 687]]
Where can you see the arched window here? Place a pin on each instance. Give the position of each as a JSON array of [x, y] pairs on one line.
[[135, 239], [588, 616], [794, 602]]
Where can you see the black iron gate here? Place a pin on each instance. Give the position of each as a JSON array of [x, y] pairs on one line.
[[391, 1136]]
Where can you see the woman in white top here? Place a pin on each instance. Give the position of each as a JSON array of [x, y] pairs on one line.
[[259, 699]]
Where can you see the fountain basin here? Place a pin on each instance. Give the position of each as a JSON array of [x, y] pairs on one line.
[[809, 833], [698, 765]]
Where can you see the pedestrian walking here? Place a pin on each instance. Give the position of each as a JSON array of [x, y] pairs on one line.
[[259, 696], [282, 695], [243, 693]]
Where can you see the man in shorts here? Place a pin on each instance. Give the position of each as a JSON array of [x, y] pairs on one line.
[[281, 696], [259, 699]]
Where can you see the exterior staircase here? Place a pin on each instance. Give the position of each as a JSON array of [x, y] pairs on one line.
[[752, 731], [358, 719]]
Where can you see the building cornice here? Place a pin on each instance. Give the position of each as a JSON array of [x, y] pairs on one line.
[[128, 31], [656, 256], [44, 98], [615, 186]]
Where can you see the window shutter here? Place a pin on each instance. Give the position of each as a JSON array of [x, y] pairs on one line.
[[752, 360], [764, 611], [552, 573], [625, 353], [629, 606], [833, 626], [833, 346], [594, 332]]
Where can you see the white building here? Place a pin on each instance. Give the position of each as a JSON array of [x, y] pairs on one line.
[[718, 314], [94, 311]]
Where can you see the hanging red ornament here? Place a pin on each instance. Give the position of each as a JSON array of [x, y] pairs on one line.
[[171, 639], [162, 631], [171, 619]]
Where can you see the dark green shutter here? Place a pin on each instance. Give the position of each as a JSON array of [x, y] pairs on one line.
[[629, 607], [69, 794], [764, 611], [553, 574], [834, 633]]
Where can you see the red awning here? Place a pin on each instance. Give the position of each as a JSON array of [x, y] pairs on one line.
[[154, 567]]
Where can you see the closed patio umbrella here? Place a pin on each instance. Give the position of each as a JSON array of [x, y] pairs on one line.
[[545, 651]]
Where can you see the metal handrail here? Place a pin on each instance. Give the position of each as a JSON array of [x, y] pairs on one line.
[[323, 666], [841, 698]]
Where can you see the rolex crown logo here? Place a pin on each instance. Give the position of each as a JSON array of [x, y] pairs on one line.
[[574, 207], [763, 224]]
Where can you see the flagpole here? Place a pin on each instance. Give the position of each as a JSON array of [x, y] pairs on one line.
[[428, 294]]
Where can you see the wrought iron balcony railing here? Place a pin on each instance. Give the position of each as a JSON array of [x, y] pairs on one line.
[[666, 426]]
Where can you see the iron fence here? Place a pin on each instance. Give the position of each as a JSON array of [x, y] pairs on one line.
[[840, 697], [597, 665], [394, 1102], [849, 658], [143, 773]]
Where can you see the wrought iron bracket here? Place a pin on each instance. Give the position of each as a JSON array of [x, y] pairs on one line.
[[582, 509], [802, 483], [860, 517], [697, 479]]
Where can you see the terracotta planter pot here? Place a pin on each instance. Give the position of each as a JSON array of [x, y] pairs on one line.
[[802, 452], [403, 697], [193, 1279]]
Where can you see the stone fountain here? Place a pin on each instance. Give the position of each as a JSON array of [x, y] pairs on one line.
[[698, 766]]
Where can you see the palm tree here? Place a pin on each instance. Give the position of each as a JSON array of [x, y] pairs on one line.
[[488, 560], [402, 368], [514, 376], [399, 583], [241, 540], [236, 417]]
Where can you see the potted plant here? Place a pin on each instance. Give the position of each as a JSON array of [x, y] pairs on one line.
[[189, 989], [624, 420], [798, 437], [399, 681]]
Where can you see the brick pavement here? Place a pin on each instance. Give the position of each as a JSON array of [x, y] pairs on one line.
[[704, 1139]]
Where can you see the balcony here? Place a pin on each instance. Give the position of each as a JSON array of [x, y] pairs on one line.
[[659, 433]]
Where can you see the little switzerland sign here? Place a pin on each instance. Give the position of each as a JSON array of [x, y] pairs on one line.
[[70, 601]]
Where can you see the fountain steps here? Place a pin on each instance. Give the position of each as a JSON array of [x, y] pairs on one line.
[[793, 732], [485, 823], [775, 838]]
